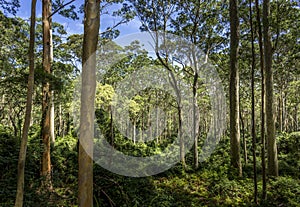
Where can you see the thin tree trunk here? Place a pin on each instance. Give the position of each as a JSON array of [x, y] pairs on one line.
[[262, 68], [296, 118], [234, 88], [244, 138], [111, 126], [52, 113], [253, 130], [195, 110], [134, 131], [280, 112], [46, 162], [157, 124], [60, 127], [270, 136], [87, 111], [23, 147], [52, 118]]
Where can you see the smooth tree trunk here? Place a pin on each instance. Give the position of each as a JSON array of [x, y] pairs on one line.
[[196, 114], [23, 147], [60, 127], [234, 88], [134, 131], [253, 129], [87, 111], [195, 121], [52, 119], [270, 123], [52, 112], [262, 127], [244, 138], [46, 161]]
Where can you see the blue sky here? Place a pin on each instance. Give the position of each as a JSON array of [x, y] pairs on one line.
[[76, 26]]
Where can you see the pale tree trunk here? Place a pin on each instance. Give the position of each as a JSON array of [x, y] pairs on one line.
[[52, 114], [270, 136], [280, 112], [157, 124], [253, 129], [262, 70], [46, 162], [23, 147], [234, 88], [134, 131], [284, 113], [244, 138], [60, 127], [195, 107], [52, 117], [296, 118], [87, 111]]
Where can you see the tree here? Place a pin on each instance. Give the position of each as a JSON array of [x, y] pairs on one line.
[[46, 94], [156, 18], [87, 111], [253, 129], [23, 148], [234, 87], [263, 125], [270, 123]]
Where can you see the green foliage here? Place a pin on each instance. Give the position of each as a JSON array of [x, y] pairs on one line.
[[10, 6], [8, 162], [284, 191], [212, 184], [289, 154]]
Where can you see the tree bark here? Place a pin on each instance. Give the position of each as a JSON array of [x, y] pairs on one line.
[[262, 69], [253, 129], [52, 112], [46, 161], [87, 111], [270, 136], [23, 147], [234, 88], [244, 138], [52, 119]]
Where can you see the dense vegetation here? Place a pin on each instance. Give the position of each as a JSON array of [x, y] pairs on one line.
[[255, 53], [213, 184]]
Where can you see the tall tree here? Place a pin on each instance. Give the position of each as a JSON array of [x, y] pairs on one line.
[[23, 148], [46, 161], [270, 123], [262, 127], [234, 87], [87, 112], [253, 130]]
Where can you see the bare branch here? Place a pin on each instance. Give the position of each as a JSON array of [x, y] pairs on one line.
[[60, 8]]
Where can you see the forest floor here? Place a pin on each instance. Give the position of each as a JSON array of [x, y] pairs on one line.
[[213, 184]]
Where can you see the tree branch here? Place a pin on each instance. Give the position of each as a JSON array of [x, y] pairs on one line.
[[60, 8]]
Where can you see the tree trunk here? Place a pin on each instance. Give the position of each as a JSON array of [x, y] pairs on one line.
[[46, 162], [244, 138], [23, 147], [134, 131], [262, 69], [87, 111], [253, 129], [296, 118], [52, 118], [270, 136], [52, 114], [234, 88], [60, 127]]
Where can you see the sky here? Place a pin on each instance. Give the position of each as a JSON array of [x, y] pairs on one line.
[[76, 26]]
